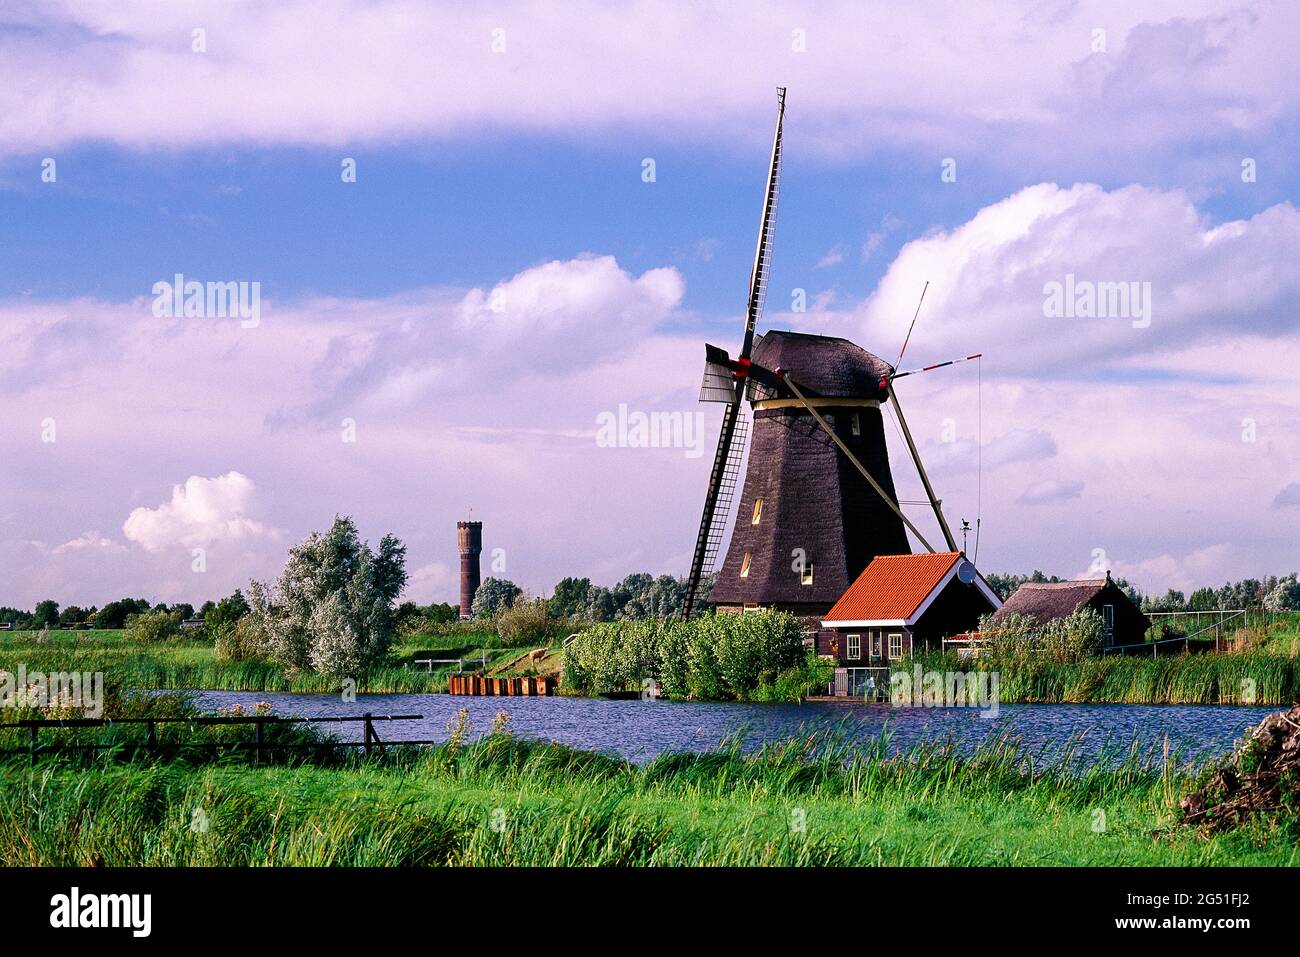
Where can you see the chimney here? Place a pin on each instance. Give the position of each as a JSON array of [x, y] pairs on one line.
[[469, 539]]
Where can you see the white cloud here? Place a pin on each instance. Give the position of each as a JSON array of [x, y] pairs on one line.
[[834, 256], [987, 279], [1204, 567], [89, 541], [431, 583], [1051, 490], [1030, 81], [200, 512], [1288, 497]]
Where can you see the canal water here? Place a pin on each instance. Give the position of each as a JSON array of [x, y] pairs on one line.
[[641, 730]]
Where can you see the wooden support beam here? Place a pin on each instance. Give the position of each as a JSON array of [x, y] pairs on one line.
[[854, 459]]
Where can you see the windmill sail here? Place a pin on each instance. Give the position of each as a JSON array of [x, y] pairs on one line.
[[731, 440]]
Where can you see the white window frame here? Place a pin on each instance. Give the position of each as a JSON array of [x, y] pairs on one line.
[[806, 575], [892, 636], [856, 426], [850, 652]]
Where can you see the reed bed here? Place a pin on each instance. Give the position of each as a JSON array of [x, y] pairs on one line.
[[1251, 677], [500, 801]]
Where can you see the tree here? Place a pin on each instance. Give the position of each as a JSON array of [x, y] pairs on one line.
[[73, 615], [1173, 600], [227, 611], [1285, 595], [570, 598], [494, 595], [46, 614], [601, 604], [1203, 599], [332, 610], [114, 614], [16, 617], [415, 619]]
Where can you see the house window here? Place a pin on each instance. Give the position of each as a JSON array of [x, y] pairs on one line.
[[758, 511], [806, 576], [853, 647], [752, 609], [895, 646], [744, 566], [857, 424]]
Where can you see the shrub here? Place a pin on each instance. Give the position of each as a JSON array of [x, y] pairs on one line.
[[811, 677], [243, 640], [526, 623], [153, 626], [1021, 639], [713, 657]]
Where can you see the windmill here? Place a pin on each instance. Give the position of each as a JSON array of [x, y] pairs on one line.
[[731, 439], [818, 493]]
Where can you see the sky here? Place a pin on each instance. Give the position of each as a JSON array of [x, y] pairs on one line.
[[477, 234]]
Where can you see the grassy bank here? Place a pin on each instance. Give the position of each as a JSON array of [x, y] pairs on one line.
[[1211, 678], [191, 664], [505, 802]]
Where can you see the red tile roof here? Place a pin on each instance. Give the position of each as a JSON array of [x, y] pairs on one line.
[[892, 587]]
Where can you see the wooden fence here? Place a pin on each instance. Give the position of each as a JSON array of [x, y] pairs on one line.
[[484, 685]]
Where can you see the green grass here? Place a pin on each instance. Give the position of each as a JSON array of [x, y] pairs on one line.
[[504, 802], [1210, 678], [189, 663]]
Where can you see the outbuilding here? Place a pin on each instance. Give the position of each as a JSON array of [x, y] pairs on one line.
[[1123, 621], [898, 605]]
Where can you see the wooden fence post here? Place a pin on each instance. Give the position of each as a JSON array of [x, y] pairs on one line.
[[257, 741], [366, 746]]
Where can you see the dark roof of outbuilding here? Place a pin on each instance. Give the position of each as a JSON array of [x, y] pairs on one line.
[[1048, 601], [825, 366]]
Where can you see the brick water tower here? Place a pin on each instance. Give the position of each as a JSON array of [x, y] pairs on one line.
[[469, 539]]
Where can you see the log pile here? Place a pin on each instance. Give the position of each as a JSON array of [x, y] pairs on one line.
[[1261, 777]]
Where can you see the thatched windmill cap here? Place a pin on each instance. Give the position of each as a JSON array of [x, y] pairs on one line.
[[823, 366]]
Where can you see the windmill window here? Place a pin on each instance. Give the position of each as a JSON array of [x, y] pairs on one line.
[[853, 650], [758, 511], [857, 424], [744, 566], [806, 576]]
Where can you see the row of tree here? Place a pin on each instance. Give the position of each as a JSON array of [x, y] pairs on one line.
[[638, 597], [115, 614], [1272, 593]]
